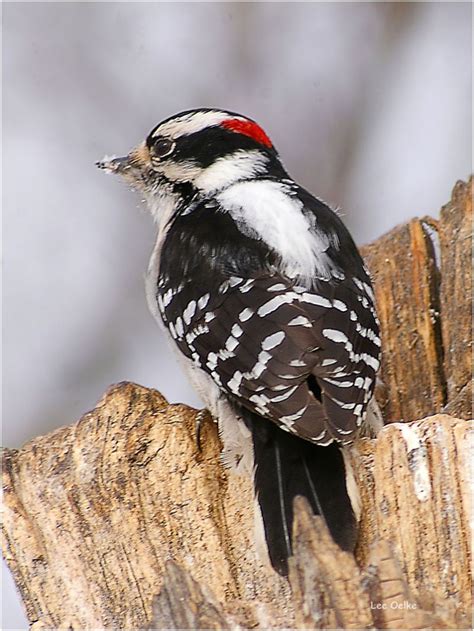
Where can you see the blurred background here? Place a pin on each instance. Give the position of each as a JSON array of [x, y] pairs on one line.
[[369, 105]]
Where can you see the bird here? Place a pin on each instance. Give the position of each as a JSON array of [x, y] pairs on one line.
[[261, 290]]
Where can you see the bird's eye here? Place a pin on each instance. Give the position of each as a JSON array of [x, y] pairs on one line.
[[163, 147]]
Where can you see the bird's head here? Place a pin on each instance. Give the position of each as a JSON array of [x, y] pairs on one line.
[[198, 152]]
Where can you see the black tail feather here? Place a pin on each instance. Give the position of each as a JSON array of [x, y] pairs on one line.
[[287, 466]]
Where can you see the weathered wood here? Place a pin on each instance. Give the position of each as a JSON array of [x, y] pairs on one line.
[[420, 509], [94, 512], [184, 604], [327, 591], [120, 510], [455, 232], [461, 402], [332, 592], [422, 273], [393, 605], [403, 266]]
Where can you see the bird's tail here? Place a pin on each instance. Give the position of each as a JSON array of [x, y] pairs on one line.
[[287, 466]]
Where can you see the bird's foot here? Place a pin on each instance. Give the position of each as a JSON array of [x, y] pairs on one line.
[[198, 422]]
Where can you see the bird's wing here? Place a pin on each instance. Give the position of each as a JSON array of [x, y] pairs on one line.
[[306, 359]]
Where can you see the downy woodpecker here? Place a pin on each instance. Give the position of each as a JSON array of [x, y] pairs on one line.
[[265, 297]]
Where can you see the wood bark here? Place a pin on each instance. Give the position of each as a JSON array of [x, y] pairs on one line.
[[120, 521]]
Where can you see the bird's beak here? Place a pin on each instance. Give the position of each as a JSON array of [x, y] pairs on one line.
[[114, 165], [133, 168]]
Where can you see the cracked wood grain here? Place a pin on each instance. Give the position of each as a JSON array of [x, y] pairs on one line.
[[103, 505], [422, 273], [95, 513], [455, 232], [406, 279], [184, 604]]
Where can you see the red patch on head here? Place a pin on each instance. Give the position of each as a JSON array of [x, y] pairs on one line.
[[248, 128]]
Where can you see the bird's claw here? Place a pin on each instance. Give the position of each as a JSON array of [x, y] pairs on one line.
[[200, 417]]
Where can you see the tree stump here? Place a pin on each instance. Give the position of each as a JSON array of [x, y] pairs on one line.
[[119, 521]]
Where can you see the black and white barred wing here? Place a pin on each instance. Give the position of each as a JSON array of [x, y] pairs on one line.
[[349, 338], [304, 359]]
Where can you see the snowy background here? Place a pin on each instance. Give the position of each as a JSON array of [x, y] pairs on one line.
[[369, 105]]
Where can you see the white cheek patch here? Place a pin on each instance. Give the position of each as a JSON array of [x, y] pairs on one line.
[[241, 165]]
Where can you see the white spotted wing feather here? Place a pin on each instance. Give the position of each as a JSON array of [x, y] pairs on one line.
[[305, 360]]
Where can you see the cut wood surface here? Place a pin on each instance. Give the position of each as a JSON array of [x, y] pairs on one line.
[[120, 521]]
